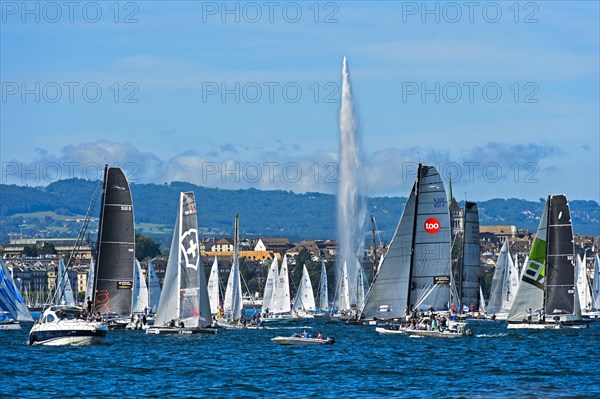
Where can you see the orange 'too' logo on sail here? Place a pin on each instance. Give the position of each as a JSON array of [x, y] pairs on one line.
[[432, 225]]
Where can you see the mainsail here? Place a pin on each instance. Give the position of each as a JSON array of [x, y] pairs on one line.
[[64, 290], [469, 285], [305, 298], [596, 284], [548, 281], [184, 297], [233, 305], [213, 287], [281, 294], [415, 272], [89, 288], [503, 291], [10, 299], [153, 288], [323, 293], [583, 287], [116, 246], [267, 303], [140, 290]]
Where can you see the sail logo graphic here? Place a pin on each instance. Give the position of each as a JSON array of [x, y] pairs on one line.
[[432, 225], [189, 246], [534, 273]]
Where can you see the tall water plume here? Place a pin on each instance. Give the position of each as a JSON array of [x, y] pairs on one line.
[[351, 207]]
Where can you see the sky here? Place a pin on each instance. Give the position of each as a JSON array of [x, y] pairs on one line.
[[503, 97]]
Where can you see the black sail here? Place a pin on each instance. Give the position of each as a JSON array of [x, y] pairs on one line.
[[470, 258], [116, 246], [560, 277]]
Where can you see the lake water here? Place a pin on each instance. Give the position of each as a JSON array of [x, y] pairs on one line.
[[494, 363]]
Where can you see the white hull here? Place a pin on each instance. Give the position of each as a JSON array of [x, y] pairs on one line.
[[302, 341], [62, 325], [591, 315], [543, 326], [180, 330], [382, 330], [9, 326]]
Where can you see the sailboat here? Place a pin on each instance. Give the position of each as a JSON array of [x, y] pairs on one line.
[[213, 287], [153, 288], [415, 273], [272, 274], [184, 307], [504, 284], [89, 288], [323, 293], [547, 295], [304, 304], [115, 258], [64, 288], [281, 305], [12, 306], [583, 287], [468, 272], [595, 313], [112, 282]]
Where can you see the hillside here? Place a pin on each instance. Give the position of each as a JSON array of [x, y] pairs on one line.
[[29, 210]]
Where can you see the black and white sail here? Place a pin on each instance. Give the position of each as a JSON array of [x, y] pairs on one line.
[[116, 246], [415, 272], [469, 273]]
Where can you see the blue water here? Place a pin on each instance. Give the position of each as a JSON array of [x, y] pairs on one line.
[[494, 363]]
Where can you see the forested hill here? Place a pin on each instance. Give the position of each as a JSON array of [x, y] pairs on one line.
[[262, 213]]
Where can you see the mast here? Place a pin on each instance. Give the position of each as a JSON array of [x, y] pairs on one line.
[[100, 227], [374, 247], [462, 257], [179, 230], [548, 241], [413, 238]]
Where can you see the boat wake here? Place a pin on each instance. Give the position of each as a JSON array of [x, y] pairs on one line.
[[491, 335]]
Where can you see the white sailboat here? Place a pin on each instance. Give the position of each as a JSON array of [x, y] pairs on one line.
[[323, 292], [153, 288], [583, 287], [184, 307], [596, 287], [281, 306], [63, 283], [12, 306], [213, 287], [272, 275], [139, 292], [232, 305], [547, 296], [504, 284], [304, 303]]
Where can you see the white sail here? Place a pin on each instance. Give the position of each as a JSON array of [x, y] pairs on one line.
[[213, 287], [530, 294], [139, 293], [482, 307], [323, 293], [153, 288], [583, 287], [272, 275], [184, 297], [305, 298], [281, 296], [361, 282], [343, 297], [89, 288], [63, 286], [500, 281], [232, 306], [10, 299], [596, 284], [510, 286]]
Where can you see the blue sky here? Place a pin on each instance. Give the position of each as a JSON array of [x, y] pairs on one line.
[[503, 95]]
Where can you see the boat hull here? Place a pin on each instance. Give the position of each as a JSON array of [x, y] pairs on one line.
[[10, 326], [302, 341], [546, 326], [180, 330], [60, 334], [382, 330]]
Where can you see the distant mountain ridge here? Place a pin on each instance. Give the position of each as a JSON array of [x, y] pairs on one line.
[[262, 213]]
